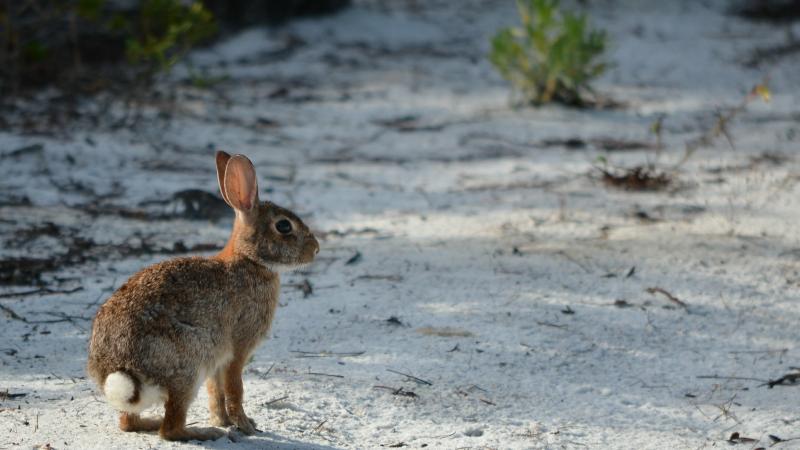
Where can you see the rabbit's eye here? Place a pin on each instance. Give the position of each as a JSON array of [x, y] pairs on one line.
[[283, 226]]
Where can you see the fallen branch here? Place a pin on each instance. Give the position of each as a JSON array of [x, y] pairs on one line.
[[790, 379], [411, 377], [722, 377], [319, 426], [394, 278], [276, 400], [8, 396], [42, 291], [776, 350], [62, 317], [325, 374], [11, 314], [776, 440], [398, 391], [670, 297], [325, 354]]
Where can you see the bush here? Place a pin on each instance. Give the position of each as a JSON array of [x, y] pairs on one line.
[[51, 40], [552, 57], [167, 30]]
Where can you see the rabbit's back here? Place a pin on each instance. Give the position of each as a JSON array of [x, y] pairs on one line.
[[181, 317]]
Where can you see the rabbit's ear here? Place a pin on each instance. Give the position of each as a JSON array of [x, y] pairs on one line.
[[222, 163], [241, 188]]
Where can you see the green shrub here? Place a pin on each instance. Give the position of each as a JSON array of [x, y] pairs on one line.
[[53, 40], [552, 57], [167, 30]]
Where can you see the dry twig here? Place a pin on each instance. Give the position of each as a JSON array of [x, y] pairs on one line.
[[411, 377], [670, 297]]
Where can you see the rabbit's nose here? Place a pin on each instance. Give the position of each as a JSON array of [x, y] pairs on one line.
[[316, 246]]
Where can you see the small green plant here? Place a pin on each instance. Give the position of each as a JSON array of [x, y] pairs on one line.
[[167, 30], [553, 56]]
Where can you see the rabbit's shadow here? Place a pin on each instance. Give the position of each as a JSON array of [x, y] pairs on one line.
[[262, 440]]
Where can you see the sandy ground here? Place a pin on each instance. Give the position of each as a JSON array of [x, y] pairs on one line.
[[460, 245]]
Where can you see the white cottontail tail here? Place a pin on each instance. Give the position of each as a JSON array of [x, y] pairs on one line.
[[177, 323]]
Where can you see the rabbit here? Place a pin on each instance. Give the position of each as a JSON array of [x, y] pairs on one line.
[[180, 322]]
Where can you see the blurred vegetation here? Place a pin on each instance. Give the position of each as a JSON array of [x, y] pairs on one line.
[[50, 40], [166, 30], [552, 57], [88, 45]]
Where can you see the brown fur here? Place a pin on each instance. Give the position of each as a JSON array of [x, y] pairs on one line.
[[132, 422], [182, 320]]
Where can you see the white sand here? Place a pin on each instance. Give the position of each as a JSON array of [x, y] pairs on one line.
[[436, 214]]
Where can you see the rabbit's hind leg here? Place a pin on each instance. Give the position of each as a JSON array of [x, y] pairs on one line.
[[134, 422], [174, 426]]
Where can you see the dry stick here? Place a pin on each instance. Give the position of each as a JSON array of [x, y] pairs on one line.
[[549, 324], [319, 426], [780, 440], [725, 410], [722, 377], [44, 291], [720, 128], [388, 388], [475, 386], [670, 297], [775, 350], [325, 354], [276, 400], [9, 396], [397, 391], [412, 377], [100, 295], [789, 379], [573, 260], [62, 317], [325, 374], [11, 314]]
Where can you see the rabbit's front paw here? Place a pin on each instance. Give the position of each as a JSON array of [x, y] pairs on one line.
[[220, 420]]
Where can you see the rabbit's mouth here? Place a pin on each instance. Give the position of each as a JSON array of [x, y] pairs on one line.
[[283, 268]]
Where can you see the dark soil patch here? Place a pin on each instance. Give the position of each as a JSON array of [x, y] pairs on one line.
[[636, 179], [192, 204], [189, 204], [29, 270], [409, 124], [602, 143], [776, 11]]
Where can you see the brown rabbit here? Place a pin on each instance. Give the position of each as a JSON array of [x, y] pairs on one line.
[[177, 323]]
